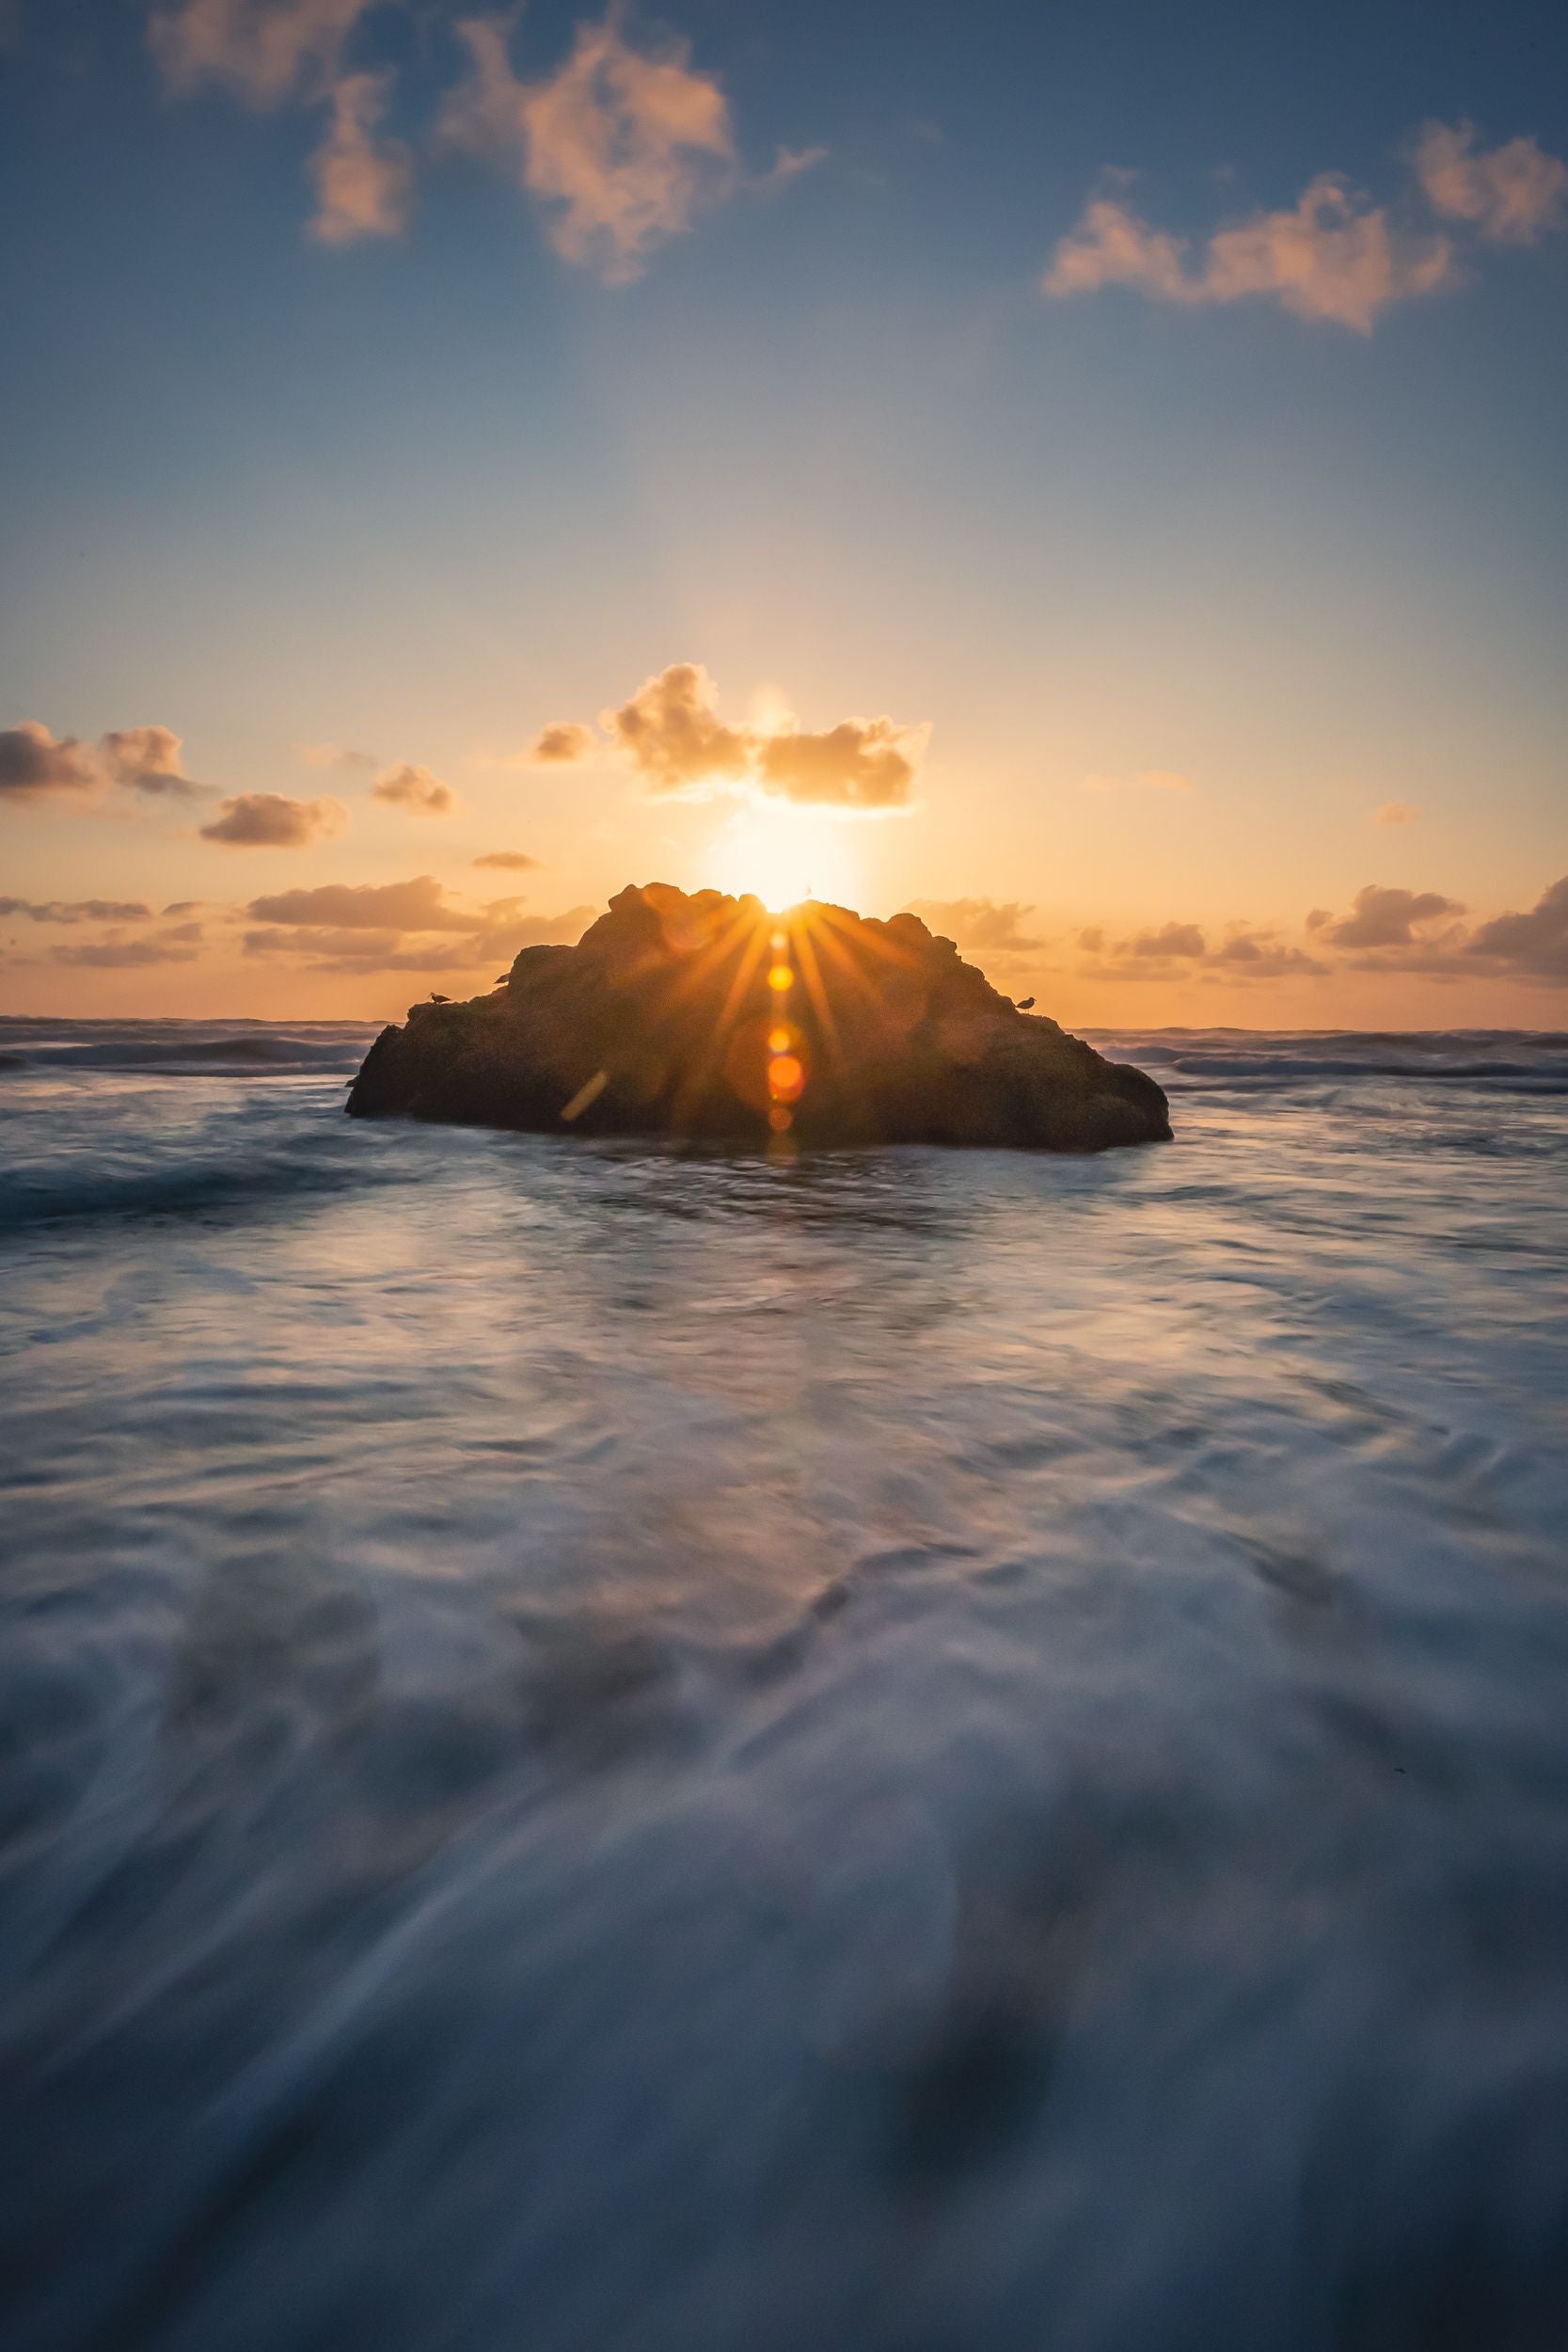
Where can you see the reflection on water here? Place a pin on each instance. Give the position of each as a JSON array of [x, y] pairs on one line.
[[883, 1753]]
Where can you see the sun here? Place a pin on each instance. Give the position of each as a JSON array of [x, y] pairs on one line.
[[783, 853]]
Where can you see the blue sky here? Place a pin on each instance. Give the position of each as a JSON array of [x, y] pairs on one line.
[[1165, 581]]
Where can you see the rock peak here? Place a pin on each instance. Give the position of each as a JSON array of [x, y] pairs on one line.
[[696, 1015]]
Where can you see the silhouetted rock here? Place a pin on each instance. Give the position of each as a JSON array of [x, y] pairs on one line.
[[705, 1016]]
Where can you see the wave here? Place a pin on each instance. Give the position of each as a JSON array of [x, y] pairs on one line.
[[198, 1049], [182, 1191], [1510, 1061]]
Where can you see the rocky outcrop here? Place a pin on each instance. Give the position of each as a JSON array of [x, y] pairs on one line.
[[705, 1016]]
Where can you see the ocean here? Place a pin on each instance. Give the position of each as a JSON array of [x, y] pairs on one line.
[[616, 1750]]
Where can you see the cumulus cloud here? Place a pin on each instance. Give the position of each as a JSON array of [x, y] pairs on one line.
[[1397, 813], [147, 759], [415, 789], [1171, 938], [34, 762], [561, 741], [1535, 946], [260, 51], [364, 183], [269, 821], [977, 922], [1259, 956], [862, 763], [1514, 195], [140, 759], [79, 910], [508, 861], [1381, 917], [1332, 255], [672, 733], [621, 145]]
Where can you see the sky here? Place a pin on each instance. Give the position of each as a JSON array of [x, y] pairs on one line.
[[1092, 474]]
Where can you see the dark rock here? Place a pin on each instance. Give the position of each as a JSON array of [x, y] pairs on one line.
[[667, 1018]]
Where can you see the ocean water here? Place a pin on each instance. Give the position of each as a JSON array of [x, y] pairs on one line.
[[611, 1751]]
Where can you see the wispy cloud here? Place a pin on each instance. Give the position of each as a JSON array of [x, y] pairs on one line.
[[126, 955], [507, 860], [1334, 254], [410, 926], [978, 923], [364, 183], [1244, 956], [622, 146], [1331, 255], [261, 50], [1514, 194], [78, 910], [1397, 813], [334, 756]]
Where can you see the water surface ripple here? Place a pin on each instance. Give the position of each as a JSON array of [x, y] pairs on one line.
[[907, 1751]]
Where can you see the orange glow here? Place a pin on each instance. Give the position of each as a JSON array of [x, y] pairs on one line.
[[780, 1041], [787, 1077], [780, 975]]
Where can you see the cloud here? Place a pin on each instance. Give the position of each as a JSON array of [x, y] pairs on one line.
[[1390, 919], [333, 755], [78, 910], [563, 740], [507, 860], [419, 905], [1243, 955], [147, 759], [1534, 945], [1330, 256], [672, 733], [257, 50], [364, 185], [977, 922], [622, 147], [140, 759], [1514, 195], [1171, 938], [789, 162], [1259, 956], [1145, 779], [124, 955], [33, 762], [415, 789], [401, 926], [1397, 813], [862, 763], [267, 820]]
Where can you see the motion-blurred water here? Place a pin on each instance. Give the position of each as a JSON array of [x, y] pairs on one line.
[[910, 1751]]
